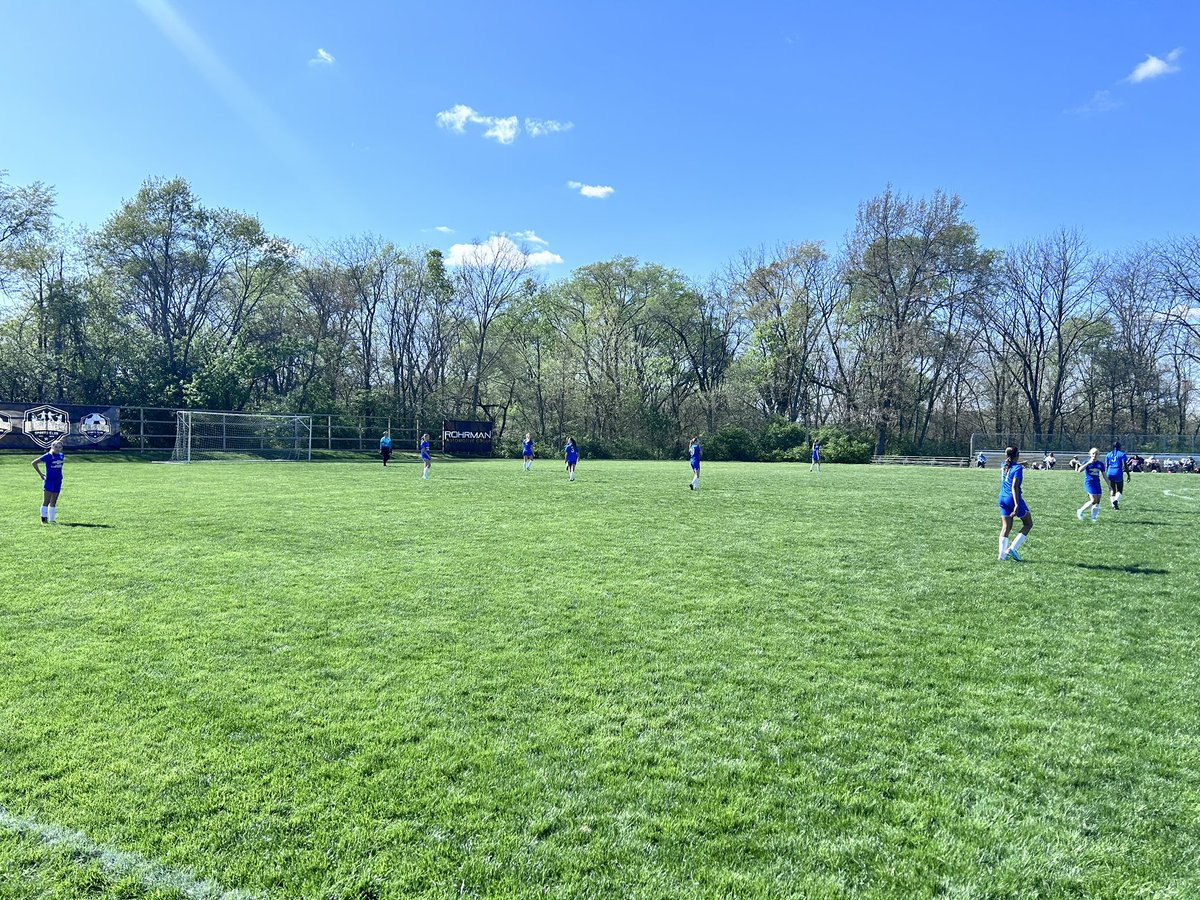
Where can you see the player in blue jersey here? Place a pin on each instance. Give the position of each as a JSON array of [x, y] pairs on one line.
[[385, 446], [51, 479], [816, 457], [425, 457], [694, 454], [1116, 465], [1012, 504], [571, 451], [527, 451], [1093, 471]]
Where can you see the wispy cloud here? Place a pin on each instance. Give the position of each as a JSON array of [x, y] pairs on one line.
[[529, 237], [323, 58], [499, 248], [597, 191], [1154, 67], [1101, 102], [444, 229], [540, 127], [503, 130]]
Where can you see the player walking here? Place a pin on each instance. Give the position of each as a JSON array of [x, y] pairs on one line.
[[527, 451], [816, 457], [51, 479], [572, 454], [1012, 504], [694, 453], [1093, 471], [1117, 464], [385, 446], [425, 457]]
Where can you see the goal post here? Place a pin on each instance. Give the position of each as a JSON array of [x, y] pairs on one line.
[[202, 435]]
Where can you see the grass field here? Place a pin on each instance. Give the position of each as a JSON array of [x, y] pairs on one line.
[[338, 681]]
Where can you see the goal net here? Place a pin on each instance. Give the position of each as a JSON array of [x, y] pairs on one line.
[[203, 436]]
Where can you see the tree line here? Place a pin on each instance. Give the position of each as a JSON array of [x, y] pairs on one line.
[[906, 340]]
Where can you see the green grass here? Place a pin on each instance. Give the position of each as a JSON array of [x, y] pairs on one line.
[[339, 681]]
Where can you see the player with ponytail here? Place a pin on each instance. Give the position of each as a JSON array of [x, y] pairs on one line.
[[1012, 504]]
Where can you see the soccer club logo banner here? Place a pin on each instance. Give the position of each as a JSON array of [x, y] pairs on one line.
[[467, 437], [36, 426]]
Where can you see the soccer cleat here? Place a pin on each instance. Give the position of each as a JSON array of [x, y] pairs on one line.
[[1079, 514], [1116, 504], [691, 487], [1014, 556], [44, 520]]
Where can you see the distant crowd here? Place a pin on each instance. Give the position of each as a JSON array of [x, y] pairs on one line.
[[1170, 465]]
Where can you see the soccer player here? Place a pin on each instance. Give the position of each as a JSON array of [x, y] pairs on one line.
[[1093, 471], [527, 451], [425, 457], [816, 457], [51, 479], [1117, 464], [1012, 504], [385, 446], [572, 454], [981, 460], [694, 453]]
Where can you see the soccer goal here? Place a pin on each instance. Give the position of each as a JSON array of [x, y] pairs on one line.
[[225, 436]]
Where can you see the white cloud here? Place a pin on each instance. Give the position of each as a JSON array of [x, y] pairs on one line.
[[1101, 102], [539, 127], [499, 248], [323, 58], [590, 190], [1153, 67], [444, 229], [529, 237], [503, 130]]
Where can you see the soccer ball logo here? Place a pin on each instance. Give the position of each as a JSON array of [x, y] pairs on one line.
[[46, 424], [95, 427]]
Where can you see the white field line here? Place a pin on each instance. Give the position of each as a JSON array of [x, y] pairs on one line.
[[152, 875], [1170, 493]]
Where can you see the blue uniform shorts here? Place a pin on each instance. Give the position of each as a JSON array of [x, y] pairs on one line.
[[1006, 508], [53, 487], [1092, 487]]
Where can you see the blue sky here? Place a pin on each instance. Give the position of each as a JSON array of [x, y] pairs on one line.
[[718, 127]]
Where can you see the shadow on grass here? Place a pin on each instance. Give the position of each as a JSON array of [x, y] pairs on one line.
[[82, 525], [1134, 569]]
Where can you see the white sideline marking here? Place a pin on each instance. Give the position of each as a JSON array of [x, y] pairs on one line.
[[152, 875], [1169, 493]]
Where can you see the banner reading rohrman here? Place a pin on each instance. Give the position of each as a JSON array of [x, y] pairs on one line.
[[467, 437], [34, 426]]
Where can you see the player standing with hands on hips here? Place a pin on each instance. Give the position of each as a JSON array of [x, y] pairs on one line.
[[425, 457], [51, 480], [572, 454], [694, 453], [385, 446], [1012, 504]]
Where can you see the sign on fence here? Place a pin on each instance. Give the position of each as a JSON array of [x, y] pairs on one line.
[[34, 426], [467, 437]]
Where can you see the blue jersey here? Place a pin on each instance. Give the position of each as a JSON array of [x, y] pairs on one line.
[[572, 453], [1009, 477], [385, 443], [695, 453], [1091, 476], [816, 453], [527, 448], [54, 471], [424, 449], [1115, 463]]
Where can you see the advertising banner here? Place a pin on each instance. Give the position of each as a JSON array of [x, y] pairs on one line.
[[34, 426], [467, 437]]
